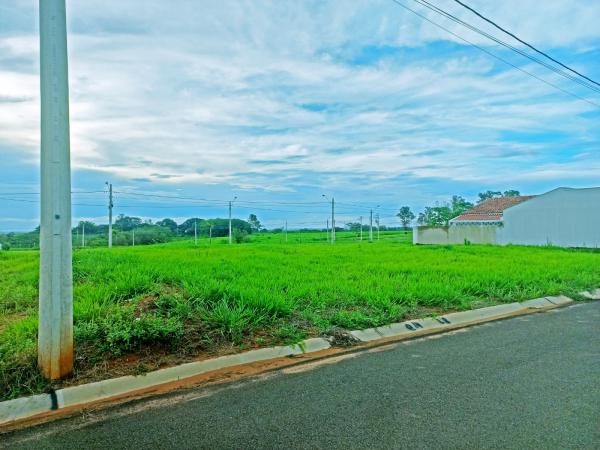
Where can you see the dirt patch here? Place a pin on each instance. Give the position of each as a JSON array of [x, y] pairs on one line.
[[145, 305]]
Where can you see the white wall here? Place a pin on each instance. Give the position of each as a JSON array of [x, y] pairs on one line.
[[563, 217], [484, 233]]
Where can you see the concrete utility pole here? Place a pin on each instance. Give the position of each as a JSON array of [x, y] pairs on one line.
[[83, 234], [133, 237], [332, 218], [110, 208], [286, 239], [377, 222], [195, 232], [210, 235], [230, 228], [361, 226], [371, 228], [55, 330]]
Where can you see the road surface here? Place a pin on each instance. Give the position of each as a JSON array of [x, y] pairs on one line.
[[531, 382]]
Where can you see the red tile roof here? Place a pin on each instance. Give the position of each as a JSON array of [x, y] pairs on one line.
[[491, 210]]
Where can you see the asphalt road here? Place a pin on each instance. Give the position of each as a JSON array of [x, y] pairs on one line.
[[527, 383]]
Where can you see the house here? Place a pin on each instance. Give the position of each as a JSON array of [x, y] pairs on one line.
[[563, 217]]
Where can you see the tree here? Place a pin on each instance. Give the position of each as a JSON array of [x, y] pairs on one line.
[[127, 223], [254, 222], [459, 205], [483, 196], [435, 216], [353, 226], [168, 223], [90, 227], [405, 215], [187, 227]]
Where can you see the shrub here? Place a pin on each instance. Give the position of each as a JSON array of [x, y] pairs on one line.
[[123, 332]]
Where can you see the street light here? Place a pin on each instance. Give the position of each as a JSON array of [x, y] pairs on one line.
[[230, 228]]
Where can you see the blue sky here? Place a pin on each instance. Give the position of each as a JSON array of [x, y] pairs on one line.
[[279, 102]]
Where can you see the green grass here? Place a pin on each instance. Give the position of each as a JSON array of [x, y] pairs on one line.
[[177, 300]]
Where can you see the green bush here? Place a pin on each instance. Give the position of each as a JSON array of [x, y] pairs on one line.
[[123, 332]]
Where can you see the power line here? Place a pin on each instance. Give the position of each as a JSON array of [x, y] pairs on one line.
[[493, 55], [37, 193], [524, 42], [554, 69]]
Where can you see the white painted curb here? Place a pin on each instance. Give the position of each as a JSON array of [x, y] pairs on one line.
[[593, 295], [25, 407]]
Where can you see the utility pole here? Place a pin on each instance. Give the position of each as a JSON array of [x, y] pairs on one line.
[[286, 239], [230, 227], [332, 218], [327, 231], [110, 208], [377, 222], [195, 232], [210, 235], [55, 328], [371, 228], [133, 237], [83, 234], [361, 226]]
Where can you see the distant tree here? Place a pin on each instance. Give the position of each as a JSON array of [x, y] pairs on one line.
[[127, 223], [436, 215], [90, 227], [483, 196], [187, 227], [353, 226], [459, 205], [168, 223], [254, 222], [405, 215]]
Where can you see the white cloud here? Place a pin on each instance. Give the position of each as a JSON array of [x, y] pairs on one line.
[[181, 93]]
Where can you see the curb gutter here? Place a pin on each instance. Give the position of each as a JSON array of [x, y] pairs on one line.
[[24, 409]]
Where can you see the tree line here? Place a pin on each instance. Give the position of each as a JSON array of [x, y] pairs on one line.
[[145, 231], [442, 213]]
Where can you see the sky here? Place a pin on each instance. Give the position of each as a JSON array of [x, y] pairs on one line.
[[280, 102]]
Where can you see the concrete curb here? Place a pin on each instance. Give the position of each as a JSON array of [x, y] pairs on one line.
[[26, 407], [593, 295], [21, 409]]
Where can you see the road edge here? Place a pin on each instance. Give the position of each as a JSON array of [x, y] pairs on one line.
[[24, 411]]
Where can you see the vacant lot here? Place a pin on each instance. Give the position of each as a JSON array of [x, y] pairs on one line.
[[140, 308]]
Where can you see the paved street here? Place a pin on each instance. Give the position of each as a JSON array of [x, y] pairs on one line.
[[527, 383]]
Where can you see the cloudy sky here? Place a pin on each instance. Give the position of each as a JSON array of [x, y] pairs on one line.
[[280, 102]]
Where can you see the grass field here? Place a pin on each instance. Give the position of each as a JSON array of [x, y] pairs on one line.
[[136, 309]]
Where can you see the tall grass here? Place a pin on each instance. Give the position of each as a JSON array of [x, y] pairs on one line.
[[172, 295]]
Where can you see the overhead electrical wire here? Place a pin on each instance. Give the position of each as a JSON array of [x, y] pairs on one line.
[[493, 55], [514, 36], [554, 69]]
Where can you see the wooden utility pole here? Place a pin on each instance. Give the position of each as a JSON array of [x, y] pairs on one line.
[[55, 330]]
